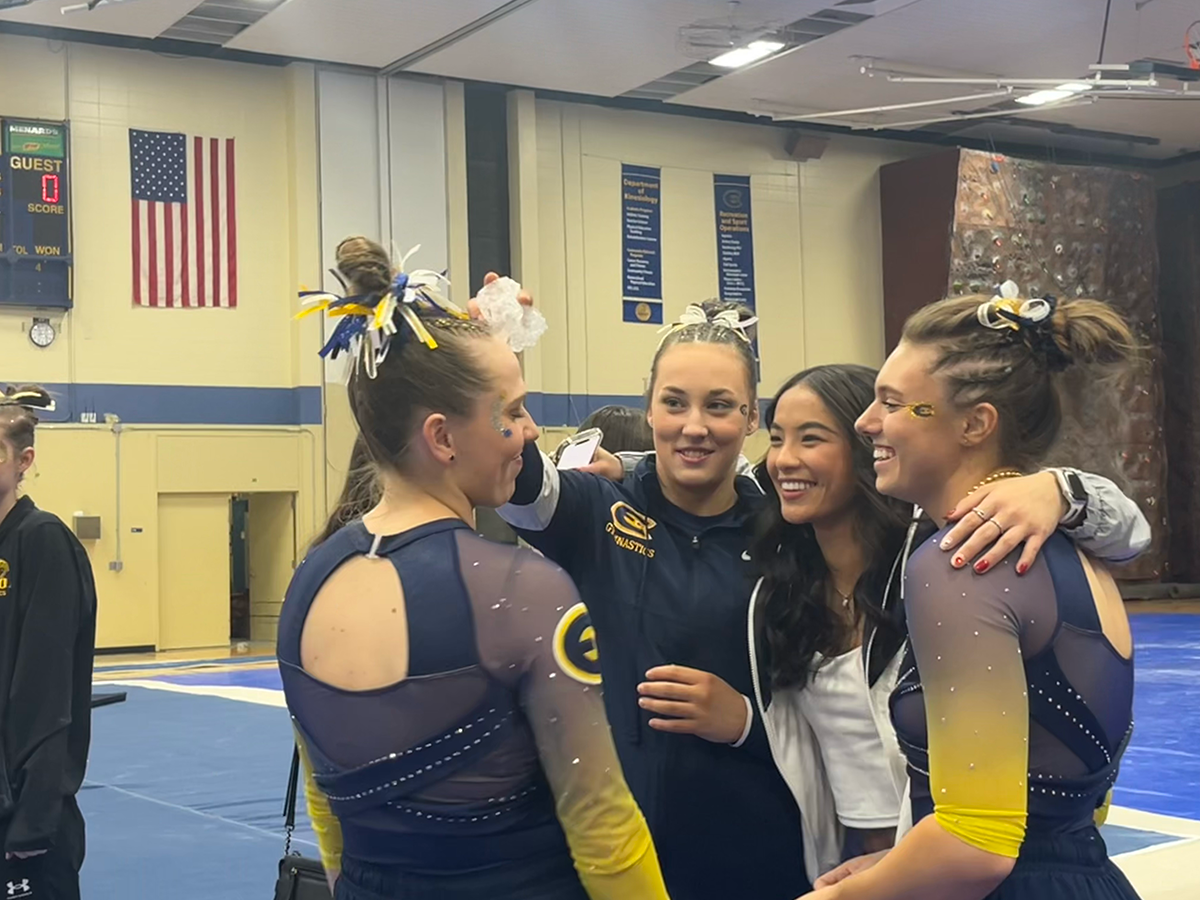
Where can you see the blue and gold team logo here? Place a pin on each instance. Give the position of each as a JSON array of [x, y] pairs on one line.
[[630, 529], [643, 312], [575, 648], [3, 578]]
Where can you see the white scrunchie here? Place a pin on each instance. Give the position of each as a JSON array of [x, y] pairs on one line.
[[521, 326], [695, 315], [988, 313]]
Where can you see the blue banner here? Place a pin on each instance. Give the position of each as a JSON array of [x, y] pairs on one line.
[[735, 238], [641, 243]]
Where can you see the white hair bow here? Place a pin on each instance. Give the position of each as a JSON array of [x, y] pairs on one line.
[[1008, 310], [694, 314]]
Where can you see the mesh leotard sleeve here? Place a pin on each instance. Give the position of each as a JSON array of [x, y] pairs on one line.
[[967, 633], [534, 633], [325, 824]]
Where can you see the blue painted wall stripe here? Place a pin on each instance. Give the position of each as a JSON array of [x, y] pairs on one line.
[[571, 409], [210, 405], [186, 404]]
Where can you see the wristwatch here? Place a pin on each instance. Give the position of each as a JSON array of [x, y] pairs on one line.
[[1076, 495]]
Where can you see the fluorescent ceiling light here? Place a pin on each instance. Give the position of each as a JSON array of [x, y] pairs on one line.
[[1053, 95], [743, 56]]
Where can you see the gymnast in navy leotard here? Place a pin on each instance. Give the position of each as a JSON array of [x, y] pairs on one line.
[[445, 689]]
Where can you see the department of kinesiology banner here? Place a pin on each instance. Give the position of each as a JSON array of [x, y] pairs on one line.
[[641, 244], [735, 238]]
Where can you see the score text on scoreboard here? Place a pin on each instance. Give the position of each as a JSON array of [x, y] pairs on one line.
[[35, 217]]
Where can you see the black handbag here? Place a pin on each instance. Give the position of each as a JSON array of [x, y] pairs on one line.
[[300, 878]]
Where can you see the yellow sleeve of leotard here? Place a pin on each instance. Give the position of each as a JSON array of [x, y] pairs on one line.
[[965, 634], [642, 878], [609, 840], [560, 693], [324, 823], [1101, 815]]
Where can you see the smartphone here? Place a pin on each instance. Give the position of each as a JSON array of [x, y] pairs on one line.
[[580, 449]]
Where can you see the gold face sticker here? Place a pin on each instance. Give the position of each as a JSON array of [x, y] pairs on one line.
[[575, 648], [916, 410]]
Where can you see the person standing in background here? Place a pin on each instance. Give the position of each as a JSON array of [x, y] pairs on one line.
[[47, 643], [624, 430]]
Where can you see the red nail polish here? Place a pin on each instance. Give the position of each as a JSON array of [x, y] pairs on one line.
[[982, 566], [1022, 568], [958, 562]]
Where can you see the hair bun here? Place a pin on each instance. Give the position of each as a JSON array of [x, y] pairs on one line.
[[1091, 332], [365, 264], [27, 396]]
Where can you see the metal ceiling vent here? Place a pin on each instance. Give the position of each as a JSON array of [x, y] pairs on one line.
[[709, 38], [218, 21]]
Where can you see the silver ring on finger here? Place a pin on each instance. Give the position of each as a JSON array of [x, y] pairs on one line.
[[992, 519], [979, 512]]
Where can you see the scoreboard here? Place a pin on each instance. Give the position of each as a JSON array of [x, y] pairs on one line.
[[35, 214]]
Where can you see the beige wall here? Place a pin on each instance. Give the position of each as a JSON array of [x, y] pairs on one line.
[[816, 240], [124, 478], [134, 479]]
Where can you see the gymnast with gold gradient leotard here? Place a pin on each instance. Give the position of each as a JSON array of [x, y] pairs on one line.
[[1015, 701]]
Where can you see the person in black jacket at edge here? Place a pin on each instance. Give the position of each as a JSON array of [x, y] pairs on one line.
[[47, 641]]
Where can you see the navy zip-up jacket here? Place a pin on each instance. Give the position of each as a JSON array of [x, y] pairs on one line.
[[666, 587]]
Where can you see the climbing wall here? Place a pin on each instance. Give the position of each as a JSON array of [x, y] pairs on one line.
[[1063, 230]]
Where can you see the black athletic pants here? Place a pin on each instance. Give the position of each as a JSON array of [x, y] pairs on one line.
[[55, 874]]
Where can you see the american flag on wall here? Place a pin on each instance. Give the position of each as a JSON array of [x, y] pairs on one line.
[[184, 220]]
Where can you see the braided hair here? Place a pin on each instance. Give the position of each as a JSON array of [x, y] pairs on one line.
[[989, 351]]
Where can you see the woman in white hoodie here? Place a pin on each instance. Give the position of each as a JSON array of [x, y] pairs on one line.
[[826, 623]]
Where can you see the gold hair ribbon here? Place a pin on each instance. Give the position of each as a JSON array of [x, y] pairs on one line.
[[29, 400], [1008, 311]]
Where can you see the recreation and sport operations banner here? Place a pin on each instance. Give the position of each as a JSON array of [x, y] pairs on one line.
[[735, 238], [641, 244]]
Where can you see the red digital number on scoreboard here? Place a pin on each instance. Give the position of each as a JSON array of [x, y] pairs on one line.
[[49, 188]]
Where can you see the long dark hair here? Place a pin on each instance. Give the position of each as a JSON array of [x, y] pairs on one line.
[[360, 494], [796, 614]]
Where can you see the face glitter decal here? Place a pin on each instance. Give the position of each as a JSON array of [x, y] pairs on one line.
[[496, 421]]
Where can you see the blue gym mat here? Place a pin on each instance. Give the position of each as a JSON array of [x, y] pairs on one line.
[[185, 792], [184, 798], [1161, 769]]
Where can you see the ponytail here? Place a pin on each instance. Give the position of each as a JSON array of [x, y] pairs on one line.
[[360, 494]]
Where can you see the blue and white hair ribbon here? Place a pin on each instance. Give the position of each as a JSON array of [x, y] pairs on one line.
[[368, 321]]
